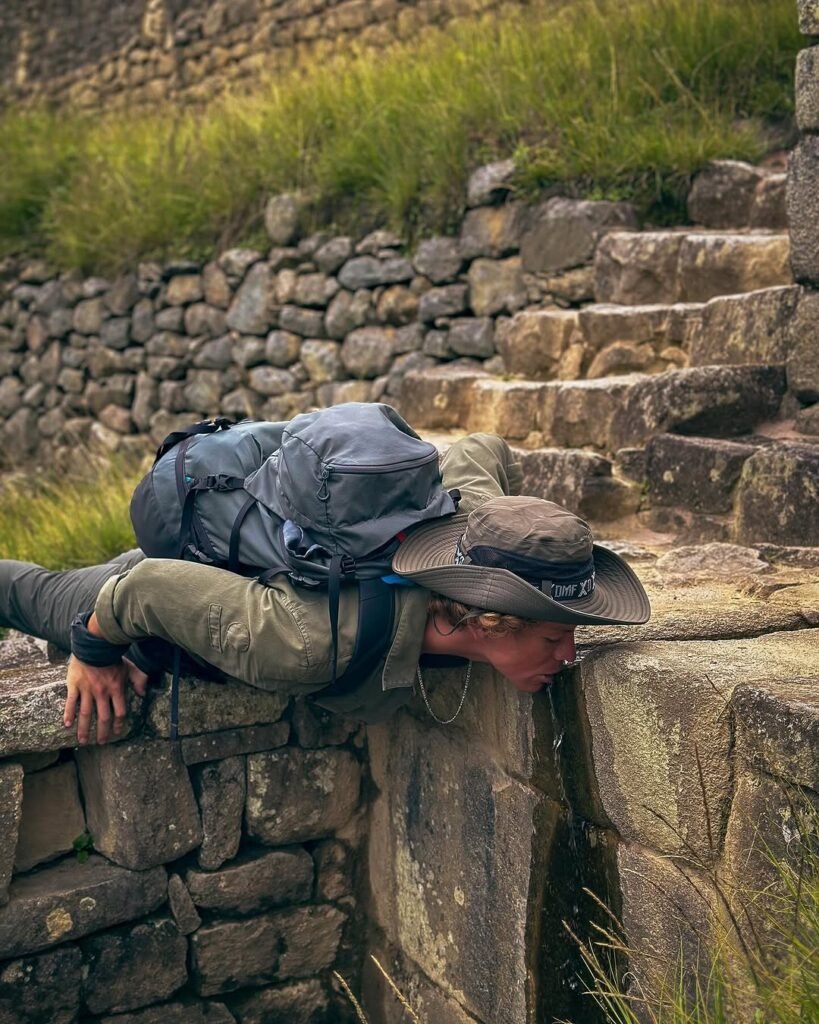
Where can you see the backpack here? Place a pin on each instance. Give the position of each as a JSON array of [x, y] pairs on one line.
[[325, 499]]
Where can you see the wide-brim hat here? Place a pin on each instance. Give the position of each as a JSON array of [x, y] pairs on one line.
[[527, 557]]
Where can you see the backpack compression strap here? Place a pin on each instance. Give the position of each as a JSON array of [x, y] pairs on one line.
[[203, 427], [376, 606]]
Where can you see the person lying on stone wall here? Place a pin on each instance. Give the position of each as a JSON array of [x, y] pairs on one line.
[[504, 581]]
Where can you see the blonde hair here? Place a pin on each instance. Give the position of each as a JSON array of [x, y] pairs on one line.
[[490, 623]]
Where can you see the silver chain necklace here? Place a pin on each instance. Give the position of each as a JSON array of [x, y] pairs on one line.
[[447, 721]]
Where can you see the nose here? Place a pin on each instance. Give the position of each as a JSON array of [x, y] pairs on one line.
[[565, 649]]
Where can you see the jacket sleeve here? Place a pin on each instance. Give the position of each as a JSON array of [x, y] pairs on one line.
[[480, 466], [258, 633]]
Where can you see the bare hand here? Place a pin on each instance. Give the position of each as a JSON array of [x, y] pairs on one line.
[[90, 687]]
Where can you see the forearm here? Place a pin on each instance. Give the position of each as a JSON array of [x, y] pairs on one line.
[[227, 620], [481, 466]]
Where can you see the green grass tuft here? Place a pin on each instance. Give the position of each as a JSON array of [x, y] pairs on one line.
[[80, 519], [594, 98]]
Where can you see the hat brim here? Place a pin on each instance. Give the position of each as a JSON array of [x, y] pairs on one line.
[[427, 558]]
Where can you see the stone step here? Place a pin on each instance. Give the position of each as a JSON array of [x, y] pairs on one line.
[[732, 194], [605, 414], [607, 339], [753, 490], [635, 268], [581, 481], [598, 341]]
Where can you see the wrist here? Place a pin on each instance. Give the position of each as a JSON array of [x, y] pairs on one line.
[[90, 646]]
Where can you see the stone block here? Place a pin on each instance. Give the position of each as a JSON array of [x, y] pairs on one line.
[[182, 908], [712, 265], [315, 727], [777, 499], [216, 746], [133, 967], [302, 1002], [41, 988], [534, 341], [777, 729], [371, 272], [722, 195], [751, 328], [271, 947], [11, 809], [426, 999], [708, 401], [770, 827], [281, 218], [71, 900], [807, 89], [661, 732], [637, 269], [209, 707], [490, 183], [492, 231], [452, 890], [447, 300], [809, 17], [440, 399], [603, 324], [368, 352], [579, 480], [564, 233], [438, 259], [803, 358], [586, 410], [139, 802], [496, 286], [189, 1012], [253, 308], [220, 790], [670, 922], [770, 209], [257, 880], [803, 209], [52, 816], [296, 795], [335, 869], [696, 473], [512, 409]]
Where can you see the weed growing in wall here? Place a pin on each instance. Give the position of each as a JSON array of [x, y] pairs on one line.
[[594, 98]]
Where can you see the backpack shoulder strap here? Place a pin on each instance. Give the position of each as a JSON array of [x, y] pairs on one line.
[[376, 608]]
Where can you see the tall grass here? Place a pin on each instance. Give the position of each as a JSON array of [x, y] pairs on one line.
[[79, 519], [770, 980], [595, 97]]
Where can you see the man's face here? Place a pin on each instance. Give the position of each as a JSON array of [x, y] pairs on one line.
[[531, 657]]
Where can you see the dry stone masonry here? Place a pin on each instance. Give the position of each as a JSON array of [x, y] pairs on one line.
[[102, 55], [664, 384], [220, 884]]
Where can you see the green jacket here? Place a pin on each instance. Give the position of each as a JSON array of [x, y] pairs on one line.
[[276, 636]]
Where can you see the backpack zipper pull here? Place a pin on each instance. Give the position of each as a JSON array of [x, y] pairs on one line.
[[323, 493]]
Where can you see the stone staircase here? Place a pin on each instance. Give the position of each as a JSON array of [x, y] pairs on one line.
[[671, 404]]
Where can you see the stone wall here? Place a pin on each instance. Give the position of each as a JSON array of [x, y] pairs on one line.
[[99, 54], [221, 885], [323, 319], [657, 773]]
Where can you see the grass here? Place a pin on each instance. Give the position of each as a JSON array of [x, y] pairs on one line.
[[80, 519], [594, 98], [777, 973]]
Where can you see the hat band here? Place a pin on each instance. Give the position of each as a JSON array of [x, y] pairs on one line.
[[562, 581]]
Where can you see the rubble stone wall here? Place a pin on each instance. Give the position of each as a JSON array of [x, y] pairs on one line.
[[99, 54], [321, 319], [203, 881]]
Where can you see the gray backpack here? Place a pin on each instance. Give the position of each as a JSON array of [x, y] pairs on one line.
[[325, 498]]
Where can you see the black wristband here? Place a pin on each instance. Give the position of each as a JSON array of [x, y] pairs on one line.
[[90, 649]]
